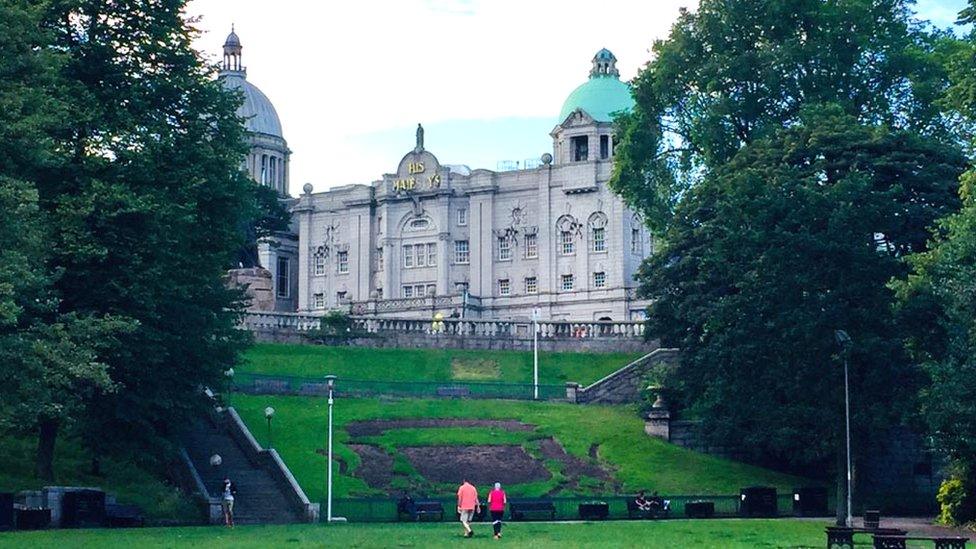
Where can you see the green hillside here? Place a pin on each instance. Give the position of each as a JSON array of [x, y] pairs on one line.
[[606, 439], [430, 364]]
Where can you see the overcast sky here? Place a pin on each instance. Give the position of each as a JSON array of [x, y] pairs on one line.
[[351, 80]]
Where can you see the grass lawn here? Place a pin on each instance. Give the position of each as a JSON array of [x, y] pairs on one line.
[[128, 482], [717, 533], [635, 460], [430, 364]]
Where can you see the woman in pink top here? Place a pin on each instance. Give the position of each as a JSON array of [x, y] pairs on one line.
[[496, 505]]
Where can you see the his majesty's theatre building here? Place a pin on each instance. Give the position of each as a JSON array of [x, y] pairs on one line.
[[432, 237]]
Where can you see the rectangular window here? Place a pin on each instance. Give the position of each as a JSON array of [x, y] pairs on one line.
[[342, 262], [566, 245], [264, 169], [604, 147], [281, 283], [461, 254], [504, 287], [379, 259], [599, 240], [531, 285], [340, 297], [432, 254], [504, 248], [462, 216], [408, 257], [379, 293], [319, 265], [600, 280], [460, 287], [531, 246], [566, 283], [431, 289], [421, 253], [273, 178], [580, 148], [318, 301], [635, 241], [408, 291]]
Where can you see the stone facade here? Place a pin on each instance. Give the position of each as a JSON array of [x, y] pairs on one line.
[[554, 238]]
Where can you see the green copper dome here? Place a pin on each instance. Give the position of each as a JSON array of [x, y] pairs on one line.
[[603, 94]]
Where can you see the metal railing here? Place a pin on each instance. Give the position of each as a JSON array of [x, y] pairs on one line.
[[260, 384], [567, 508]]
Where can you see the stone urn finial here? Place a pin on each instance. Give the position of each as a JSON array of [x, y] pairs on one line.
[[659, 403]]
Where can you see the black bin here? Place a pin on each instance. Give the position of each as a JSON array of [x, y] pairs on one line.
[[6, 511], [700, 509], [810, 501], [83, 509], [595, 510], [757, 501]]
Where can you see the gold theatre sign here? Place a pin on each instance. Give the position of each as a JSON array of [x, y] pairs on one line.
[[416, 172]]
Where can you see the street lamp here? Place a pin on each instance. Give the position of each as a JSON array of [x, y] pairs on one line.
[[268, 414], [845, 343], [330, 380], [535, 353]]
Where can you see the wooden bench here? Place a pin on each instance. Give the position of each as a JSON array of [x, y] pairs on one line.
[[883, 541], [656, 511], [418, 510], [518, 509], [842, 536]]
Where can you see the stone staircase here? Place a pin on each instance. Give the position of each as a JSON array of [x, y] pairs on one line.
[[260, 499]]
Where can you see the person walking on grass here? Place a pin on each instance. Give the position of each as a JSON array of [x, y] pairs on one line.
[[467, 506], [496, 505], [227, 492]]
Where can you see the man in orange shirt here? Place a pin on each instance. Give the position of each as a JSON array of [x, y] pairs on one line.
[[467, 506]]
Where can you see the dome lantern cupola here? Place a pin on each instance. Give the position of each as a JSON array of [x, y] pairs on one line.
[[604, 64], [232, 52]]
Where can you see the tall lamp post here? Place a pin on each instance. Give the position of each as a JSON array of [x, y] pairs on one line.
[[535, 353], [845, 343], [330, 380], [269, 413]]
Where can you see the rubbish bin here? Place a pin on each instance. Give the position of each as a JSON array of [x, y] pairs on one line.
[[757, 501], [810, 501]]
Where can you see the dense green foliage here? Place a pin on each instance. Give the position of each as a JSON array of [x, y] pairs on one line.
[[727, 534], [315, 361], [637, 460], [940, 294], [794, 238], [122, 206], [735, 71]]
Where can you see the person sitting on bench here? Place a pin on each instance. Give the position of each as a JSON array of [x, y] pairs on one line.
[[642, 503]]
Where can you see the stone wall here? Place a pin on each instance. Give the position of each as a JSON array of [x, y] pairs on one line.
[[624, 385]]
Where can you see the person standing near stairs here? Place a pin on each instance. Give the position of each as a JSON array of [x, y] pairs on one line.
[[228, 491]]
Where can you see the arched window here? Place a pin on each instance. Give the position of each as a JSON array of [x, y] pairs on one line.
[[598, 232]]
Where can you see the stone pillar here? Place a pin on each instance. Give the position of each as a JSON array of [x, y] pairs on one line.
[[443, 263], [304, 211], [658, 423], [572, 391]]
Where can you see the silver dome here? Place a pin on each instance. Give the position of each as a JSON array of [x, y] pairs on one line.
[[259, 114]]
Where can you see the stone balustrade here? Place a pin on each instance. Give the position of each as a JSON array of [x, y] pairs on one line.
[[372, 331]]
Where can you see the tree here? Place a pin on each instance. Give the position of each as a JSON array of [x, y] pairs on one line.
[[737, 71], [150, 202], [796, 237], [940, 293], [123, 154]]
